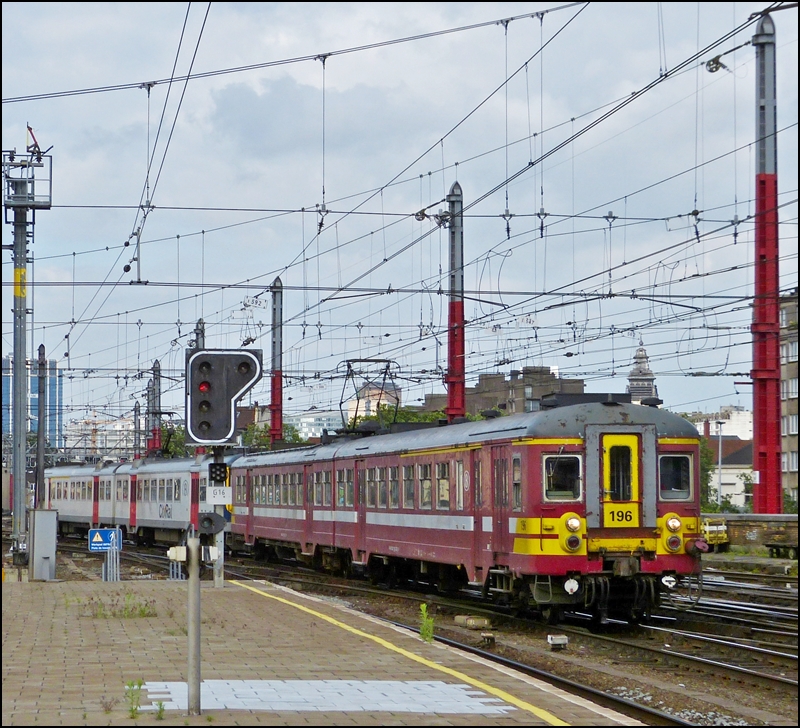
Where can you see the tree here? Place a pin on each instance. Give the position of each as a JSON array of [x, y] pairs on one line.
[[386, 415], [256, 436], [708, 462], [173, 442]]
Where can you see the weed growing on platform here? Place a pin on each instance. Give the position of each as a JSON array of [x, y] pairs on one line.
[[133, 697], [108, 704], [160, 710], [425, 624], [129, 608]]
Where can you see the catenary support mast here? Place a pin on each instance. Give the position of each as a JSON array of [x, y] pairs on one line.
[[766, 374], [455, 379]]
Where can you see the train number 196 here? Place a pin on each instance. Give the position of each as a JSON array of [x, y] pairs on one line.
[[621, 516]]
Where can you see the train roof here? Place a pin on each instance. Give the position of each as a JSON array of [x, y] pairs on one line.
[[559, 422]]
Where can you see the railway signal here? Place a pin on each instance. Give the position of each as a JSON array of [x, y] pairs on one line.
[[215, 380]]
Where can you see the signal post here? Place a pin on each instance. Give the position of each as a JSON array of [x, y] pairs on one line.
[[216, 379]]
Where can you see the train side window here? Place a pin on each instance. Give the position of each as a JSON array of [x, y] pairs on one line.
[[101, 495], [382, 486], [142, 486], [285, 493], [443, 485], [675, 477], [292, 489], [317, 489], [327, 494], [516, 483], [161, 490], [270, 491], [394, 487], [84, 490], [562, 477], [477, 484], [501, 482], [372, 488], [169, 490], [424, 486], [620, 473], [177, 493], [408, 486], [362, 474], [340, 488], [119, 490], [350, 488], [459, 505], [108, 489]]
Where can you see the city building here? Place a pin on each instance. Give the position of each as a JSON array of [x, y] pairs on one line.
[[99, 438], [311, 423], [736, 470], [520, 392], [641, 380], [734, 420], [788, 324], [54, 405], [54, 402]]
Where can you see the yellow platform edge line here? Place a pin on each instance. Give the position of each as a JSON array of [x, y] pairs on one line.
[[502, 694]]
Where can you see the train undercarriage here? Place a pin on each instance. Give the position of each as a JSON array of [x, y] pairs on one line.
[[619, 591]]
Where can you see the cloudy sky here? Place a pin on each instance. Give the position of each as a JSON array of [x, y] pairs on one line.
[[311, 133]]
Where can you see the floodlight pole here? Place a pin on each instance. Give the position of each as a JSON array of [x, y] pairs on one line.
[[276, 391]]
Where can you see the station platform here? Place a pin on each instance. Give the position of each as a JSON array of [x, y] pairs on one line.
[[749, 562], [270, 656]]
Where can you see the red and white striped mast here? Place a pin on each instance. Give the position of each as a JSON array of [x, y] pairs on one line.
[[766, 372], [455, 378]]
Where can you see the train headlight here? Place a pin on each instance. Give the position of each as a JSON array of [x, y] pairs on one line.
[[573, 524], [674, 543], [674, 524], [573, 543]]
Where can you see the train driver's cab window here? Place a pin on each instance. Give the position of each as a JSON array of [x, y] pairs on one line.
[[203, 489], [562, 477], [620, 456], [675, 477]]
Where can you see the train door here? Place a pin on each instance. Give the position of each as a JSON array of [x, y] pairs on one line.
[[361, 511], [621, 499], [249, 482], [499, 503], [95, 495]]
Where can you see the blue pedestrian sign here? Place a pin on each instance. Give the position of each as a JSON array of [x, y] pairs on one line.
[[105, 539]]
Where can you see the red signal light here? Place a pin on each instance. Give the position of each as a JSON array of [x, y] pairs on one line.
[[204, 387]]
